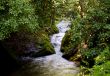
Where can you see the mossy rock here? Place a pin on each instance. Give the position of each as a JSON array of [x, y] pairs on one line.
[[67, 47], [27, 43], [66, 43], [50, 30], [70, 51], [46, 46]]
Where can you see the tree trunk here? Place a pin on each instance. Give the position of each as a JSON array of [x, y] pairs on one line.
[[81, 3]]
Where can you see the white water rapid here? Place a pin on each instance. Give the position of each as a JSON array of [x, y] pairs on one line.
[[56, 39], [52, 65]]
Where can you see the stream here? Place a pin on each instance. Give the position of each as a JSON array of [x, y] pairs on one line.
[[51, 65]]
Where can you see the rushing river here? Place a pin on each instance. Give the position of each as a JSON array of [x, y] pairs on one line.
[[52, 65]]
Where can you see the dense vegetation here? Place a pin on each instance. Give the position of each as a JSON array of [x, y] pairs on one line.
[[25, 22], [89, 38]]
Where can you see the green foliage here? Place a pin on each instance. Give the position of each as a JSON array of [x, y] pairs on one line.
[[45, 10], [30, 13], [65, 9], [103, 57], [103, 70], [101, 66], [22, 22], [90, 53], [46, 43], [15, 13], [88, 56], [92, 31]]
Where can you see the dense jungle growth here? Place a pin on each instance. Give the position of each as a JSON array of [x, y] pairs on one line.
[[29, 23]]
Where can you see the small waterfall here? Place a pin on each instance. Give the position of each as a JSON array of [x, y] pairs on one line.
[[52, 65], [56, 39]]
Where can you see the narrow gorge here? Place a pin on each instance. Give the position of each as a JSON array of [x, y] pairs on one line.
[[51, 65]]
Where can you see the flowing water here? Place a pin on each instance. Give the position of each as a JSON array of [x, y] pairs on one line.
[[52, 65]]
